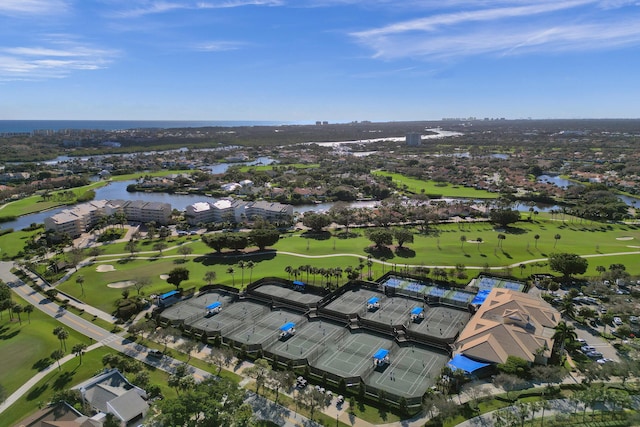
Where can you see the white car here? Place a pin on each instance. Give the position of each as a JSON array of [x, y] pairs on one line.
[[604, 360], [587, 348], [617, 321]]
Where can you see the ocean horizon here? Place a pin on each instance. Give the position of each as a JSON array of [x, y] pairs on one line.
[[21, 126]]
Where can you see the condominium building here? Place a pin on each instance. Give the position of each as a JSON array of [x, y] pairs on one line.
[[235, 210], [83, 217]]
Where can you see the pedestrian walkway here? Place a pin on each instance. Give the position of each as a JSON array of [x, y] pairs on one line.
[[39, 376]]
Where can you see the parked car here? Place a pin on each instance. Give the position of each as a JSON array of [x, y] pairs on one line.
[[594, 355], [617, 321], [587, 348], [581, 341], [604, 360], [155, 353]]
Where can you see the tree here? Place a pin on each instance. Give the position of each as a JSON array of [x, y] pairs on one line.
[[509, 383], [28, 309], [568, 264], [536, 238], [80, 281], [57, 355], [564, 332], [75, 256], [314, 400], [556, 238], [263, 237], [478, 242], [187, 346], [79, 350], [251, 265], [62, 334], [159, 246], [463, 240], [177, 276], [279, 380], [259, 372], [17, 309], [141, 282], [217, 241], [184, 251], [504, 217], [515, 366], [232, 272], [403, 236], [131, 246], [210, 276], [315, 221], [220, 357], [380, 237]]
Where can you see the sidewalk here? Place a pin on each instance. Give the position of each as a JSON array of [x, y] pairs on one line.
[[39, 376]]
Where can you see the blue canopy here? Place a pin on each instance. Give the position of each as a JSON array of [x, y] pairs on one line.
[[373, 300], [287, 326], [417, 310], [381, 354], [481, 296], [460, 361], [168, 294], [298, 283], [214, 305]]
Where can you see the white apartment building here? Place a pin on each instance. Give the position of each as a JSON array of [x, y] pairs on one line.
[[81, 218], [226, 209]]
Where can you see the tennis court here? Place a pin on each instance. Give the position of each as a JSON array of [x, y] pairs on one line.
[[265, 328], [353, 355], [277, 290], [393, 311], [231, 316], [488, 283], [310, 340], [192, 307], [413, 369], [354, 301], [441, 322]]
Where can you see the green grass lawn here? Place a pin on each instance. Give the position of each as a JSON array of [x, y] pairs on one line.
[[72, 373], [418, 186], [27, 347], [442, 247], [12, 243]]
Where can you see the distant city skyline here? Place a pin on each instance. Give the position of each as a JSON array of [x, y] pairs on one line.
[[328, 60]]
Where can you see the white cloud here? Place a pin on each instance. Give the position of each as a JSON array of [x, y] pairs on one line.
[[39, 7], [552, 26], [218, 46], [157, 7], [41, 63]]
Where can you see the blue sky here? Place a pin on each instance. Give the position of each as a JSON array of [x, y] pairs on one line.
[[307, 60]]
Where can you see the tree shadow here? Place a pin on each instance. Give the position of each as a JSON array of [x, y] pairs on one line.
[[41, 364], [231, 259], [179, 261], [344, 235], [405, 252], [379, 252], [9, 335], [37, 392], [322, 235], [63, 380]]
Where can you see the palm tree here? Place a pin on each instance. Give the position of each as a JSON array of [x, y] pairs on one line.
[[567, 308], [563, 332], [63, 334], [288, 269], [463, 239], [251, 265], [80, 281], [501, 238], [57, 355], [232, 272], [78, 350], [242, 265], [478, 242], [536, 238], [17, 309], [210, 276], [556, 237], [28, 309]]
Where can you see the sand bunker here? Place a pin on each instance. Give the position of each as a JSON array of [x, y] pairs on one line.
[[624, 238], [119, 285], [104, 268], [164, 276]]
